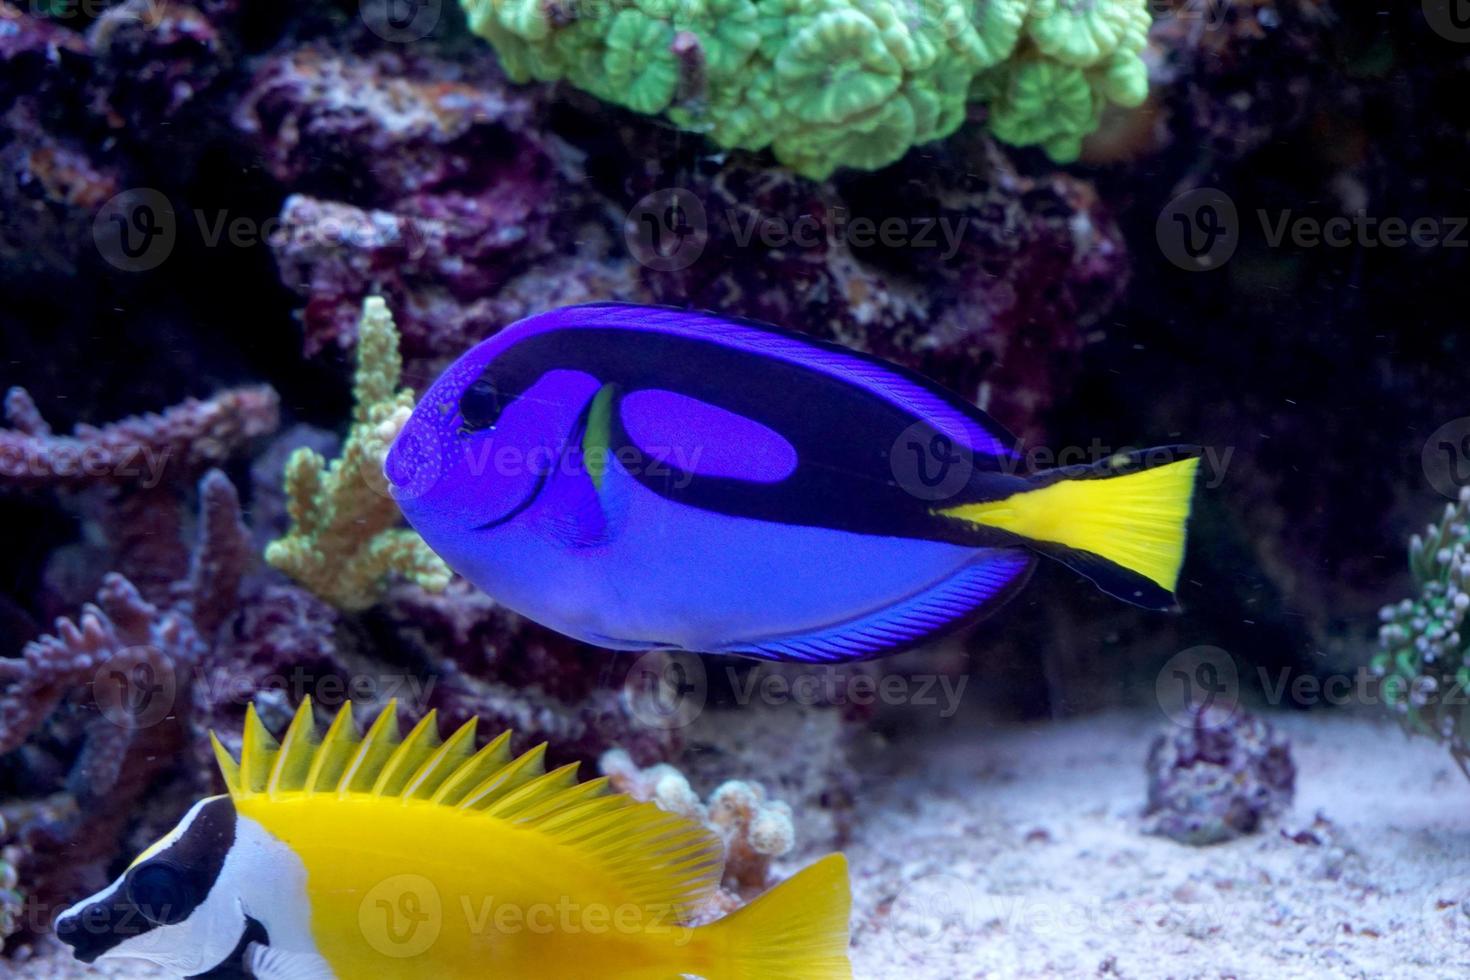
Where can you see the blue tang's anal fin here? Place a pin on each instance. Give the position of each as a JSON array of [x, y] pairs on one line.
[[977, 589]]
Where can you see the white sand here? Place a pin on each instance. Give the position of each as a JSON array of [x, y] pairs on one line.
[[1017, 855], [1014, 853]]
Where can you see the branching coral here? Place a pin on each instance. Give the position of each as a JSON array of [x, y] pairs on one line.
[[830, 83], [111, 711], [140, 452], [1423, 659], [126, 480], [122, 628], [131, 662], [345, 540], [755, 830]]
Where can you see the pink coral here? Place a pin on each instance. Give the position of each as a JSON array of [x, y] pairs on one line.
[[142, 451]]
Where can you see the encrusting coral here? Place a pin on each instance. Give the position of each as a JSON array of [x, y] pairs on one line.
[[346, 539], [1423, 658], [1221, 776], [829, 83]]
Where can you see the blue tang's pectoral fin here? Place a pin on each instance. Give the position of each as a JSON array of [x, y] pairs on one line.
[[979, 588], [574, 506]]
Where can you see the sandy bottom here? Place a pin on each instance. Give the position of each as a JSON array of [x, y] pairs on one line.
[[1015, 853]]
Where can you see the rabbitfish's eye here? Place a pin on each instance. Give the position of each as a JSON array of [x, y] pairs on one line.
[[480, 405], [161, 893]]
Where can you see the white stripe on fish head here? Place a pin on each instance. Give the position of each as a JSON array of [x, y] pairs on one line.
[[193, 902]]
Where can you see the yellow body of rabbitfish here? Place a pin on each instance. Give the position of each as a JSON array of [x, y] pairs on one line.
[[436, 860]]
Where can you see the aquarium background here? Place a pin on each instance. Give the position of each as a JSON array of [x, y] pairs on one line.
[[1266, 258]]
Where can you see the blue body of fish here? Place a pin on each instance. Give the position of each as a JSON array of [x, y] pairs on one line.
[[647, 478]]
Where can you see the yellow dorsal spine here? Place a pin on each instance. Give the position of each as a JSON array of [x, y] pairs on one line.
[[362, 769], [424, 782], [492, 757], [506, 779], [659, 857], [257, 753], [337, 746], [295, 755], [407, 756], [535, 791]]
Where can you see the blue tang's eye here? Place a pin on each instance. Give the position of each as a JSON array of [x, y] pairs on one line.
[[480, 406], [162, 893]]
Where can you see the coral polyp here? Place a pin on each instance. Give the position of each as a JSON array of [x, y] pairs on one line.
[[1423, 657], [829, 83]]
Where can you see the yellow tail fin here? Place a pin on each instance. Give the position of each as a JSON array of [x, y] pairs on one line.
[[796, 931], [1121, 523]]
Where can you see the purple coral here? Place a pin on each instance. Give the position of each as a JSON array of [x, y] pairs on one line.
[[472, 217], [122, 626], [129, 664], [1222, 777], [126, 690], [461, 196], [140, 452], [983, 280]]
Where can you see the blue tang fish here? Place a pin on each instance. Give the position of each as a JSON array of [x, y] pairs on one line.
[[642, 477]]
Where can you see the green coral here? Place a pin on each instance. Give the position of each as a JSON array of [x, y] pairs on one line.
[[829, 83], [346, 537], [1423, 660]]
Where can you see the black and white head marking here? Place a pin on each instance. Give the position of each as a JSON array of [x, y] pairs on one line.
[[170, 907], [206, 901]]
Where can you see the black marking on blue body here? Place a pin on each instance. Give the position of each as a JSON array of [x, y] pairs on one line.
[[842, 432]]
